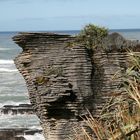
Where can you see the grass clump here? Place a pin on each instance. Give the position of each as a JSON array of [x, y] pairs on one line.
[[120, 118], [58, 71]]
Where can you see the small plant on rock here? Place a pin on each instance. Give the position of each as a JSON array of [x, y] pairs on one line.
[[92, 35]]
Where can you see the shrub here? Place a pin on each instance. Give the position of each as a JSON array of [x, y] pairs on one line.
[[92, 35]]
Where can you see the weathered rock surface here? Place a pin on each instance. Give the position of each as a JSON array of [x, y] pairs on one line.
[[17, 109], [64, 79], [16, 133]]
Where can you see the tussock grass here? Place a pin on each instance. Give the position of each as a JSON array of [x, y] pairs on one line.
[[120, 118]]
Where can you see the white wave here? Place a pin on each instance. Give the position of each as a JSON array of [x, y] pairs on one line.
[[36, 136], [6, 62], [3, 49], [35, 127], [8, 70], [18, 121]]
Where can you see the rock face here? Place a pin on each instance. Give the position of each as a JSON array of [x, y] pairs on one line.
[[64, 79]]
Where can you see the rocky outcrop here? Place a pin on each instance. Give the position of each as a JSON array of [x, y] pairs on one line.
[[117, 43], [65, 79], [17, 133], [17, 109]]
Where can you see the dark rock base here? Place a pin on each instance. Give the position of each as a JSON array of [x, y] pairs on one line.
[[17, 133]]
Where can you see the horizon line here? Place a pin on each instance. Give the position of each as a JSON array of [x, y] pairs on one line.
[[119, 29]]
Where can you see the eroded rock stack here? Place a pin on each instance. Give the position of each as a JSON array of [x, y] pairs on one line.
[[65, 79]]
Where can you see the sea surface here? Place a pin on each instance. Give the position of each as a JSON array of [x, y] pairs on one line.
[[12, 85]]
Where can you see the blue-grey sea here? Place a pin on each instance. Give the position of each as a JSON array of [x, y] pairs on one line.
[[12, 85]]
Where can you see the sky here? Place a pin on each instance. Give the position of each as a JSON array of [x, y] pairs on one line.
[[45, 15]]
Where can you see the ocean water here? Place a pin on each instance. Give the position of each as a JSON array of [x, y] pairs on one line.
[[13, 89], [12, 85]]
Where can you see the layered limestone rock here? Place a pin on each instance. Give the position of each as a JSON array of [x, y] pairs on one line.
[[65, 79]]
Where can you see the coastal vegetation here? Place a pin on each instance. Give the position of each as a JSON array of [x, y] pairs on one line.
[[92, 35], [120, 118]]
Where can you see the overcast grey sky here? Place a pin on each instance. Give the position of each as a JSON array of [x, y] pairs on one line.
[[29, 15]]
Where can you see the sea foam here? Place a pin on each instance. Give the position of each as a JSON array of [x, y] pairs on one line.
[[6, 62], [7, 70], [4, 48], [7, 66], [36, 136]]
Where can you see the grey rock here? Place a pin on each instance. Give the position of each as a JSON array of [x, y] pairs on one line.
[[60, 97], [16, 133], [17, 109]]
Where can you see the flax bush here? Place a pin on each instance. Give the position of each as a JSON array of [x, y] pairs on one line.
[[92, 35]]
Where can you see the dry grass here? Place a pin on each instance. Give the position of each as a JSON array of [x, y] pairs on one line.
[[122, 123]]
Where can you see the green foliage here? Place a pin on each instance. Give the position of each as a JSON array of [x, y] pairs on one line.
[[54, 71], [43, 79], [92, 35], [40, 80]]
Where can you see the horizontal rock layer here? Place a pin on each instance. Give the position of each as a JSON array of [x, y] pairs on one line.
[[65, 79], [17, 109]]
